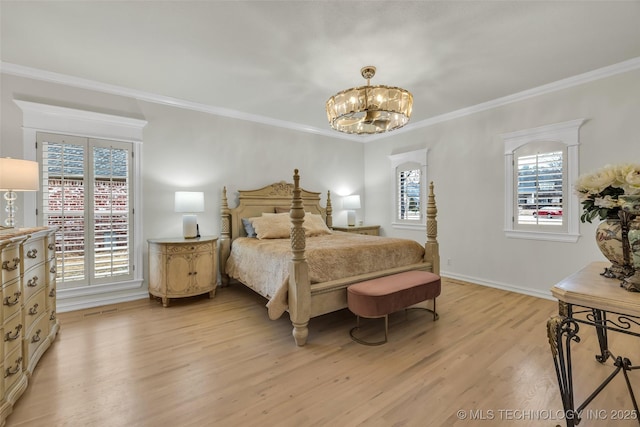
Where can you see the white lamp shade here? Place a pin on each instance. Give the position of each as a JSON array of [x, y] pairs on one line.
[[18, 175], [189, 201], [351, 202]]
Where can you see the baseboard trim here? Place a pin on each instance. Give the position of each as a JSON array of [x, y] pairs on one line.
[[504, 286], [93, 301]]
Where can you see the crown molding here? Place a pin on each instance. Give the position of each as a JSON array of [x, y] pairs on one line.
[[600, 73], [63, 79]]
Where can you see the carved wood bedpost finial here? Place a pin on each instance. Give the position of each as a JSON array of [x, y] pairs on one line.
[[329, 220], [224, 213], [299, 282], [432, 251], [225, 236]]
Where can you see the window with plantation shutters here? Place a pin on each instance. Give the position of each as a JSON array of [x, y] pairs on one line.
[[409, 174], [409, 200], [86, 193], [540, 166], [540, 187]]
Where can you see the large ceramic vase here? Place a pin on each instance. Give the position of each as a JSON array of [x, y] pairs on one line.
[[611, 237], [631, 206]]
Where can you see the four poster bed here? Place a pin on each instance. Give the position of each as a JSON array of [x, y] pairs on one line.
[[278, 242]]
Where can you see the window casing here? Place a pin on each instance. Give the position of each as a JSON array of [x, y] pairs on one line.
[[59, 120], [410, 182], [86, 192], [540, 166]]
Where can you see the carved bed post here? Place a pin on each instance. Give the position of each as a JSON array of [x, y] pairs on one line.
[[329, 210], [225, 237], [431, 247], [299, 283]]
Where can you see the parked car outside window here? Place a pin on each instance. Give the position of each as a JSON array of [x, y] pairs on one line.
[[548, 211]]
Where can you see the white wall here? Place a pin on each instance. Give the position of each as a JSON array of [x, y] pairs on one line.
[[466, 163], [188, 150]]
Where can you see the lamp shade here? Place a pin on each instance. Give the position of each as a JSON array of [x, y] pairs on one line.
[[351, 202], [189, 201], [18, 175]]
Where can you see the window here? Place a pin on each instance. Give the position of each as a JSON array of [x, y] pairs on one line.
[[86, 192], [92, 161], [409, 177], [541, 164], [540, 190]]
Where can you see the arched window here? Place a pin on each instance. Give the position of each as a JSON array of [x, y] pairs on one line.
[[541, 164]]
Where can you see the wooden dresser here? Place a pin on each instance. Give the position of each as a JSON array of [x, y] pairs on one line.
[[181, 267], [28, 310]]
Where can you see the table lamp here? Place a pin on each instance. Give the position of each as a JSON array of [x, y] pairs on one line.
[[351, 203], [189, 202], [16, 175]]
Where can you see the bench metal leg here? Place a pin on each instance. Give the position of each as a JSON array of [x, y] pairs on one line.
[[436, 316], [360, 341]]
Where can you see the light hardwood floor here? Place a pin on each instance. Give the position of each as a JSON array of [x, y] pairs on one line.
[[222, 362]]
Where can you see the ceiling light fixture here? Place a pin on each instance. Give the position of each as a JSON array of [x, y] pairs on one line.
[[369, 109]]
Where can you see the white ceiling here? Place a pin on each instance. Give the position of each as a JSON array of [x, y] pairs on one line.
[[281, 60]]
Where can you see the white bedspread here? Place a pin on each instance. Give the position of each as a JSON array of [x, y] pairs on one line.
[[263, 265]]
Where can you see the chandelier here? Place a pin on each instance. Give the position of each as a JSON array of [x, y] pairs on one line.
[[369, 109]]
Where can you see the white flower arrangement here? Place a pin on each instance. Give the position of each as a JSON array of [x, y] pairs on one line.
[[599, 191]]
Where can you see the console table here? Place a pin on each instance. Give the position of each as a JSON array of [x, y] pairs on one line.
[[587, 298]]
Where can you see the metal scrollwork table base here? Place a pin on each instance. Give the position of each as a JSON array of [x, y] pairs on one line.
[[587, 298]]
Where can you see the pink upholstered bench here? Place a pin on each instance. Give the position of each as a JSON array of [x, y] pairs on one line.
[[385, 295]]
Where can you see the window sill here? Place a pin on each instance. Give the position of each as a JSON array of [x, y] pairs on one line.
[[408, 226], [539, 235]]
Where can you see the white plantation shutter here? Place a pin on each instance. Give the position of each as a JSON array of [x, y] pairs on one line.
[[540, 180], [409, 194], [409, 171], [86, 192]]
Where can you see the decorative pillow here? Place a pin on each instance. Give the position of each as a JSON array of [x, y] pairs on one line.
[[272, 226], [314, 225], [248, 226]]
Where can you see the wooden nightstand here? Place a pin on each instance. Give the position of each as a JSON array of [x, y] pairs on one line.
[[371, 230], [181, 267]]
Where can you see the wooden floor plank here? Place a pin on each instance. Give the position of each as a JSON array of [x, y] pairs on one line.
[[222, 362]]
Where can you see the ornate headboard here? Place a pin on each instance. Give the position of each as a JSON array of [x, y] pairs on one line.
[[253, 203]]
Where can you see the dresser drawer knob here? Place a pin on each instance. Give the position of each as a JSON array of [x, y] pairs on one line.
[[33, 310], [36, 337], [51, 246], [52, 292], [52, 269], [12, 371], [32, 283], [16, 262], [53, 315], [9, 337], [32, 253], [8, 302]]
